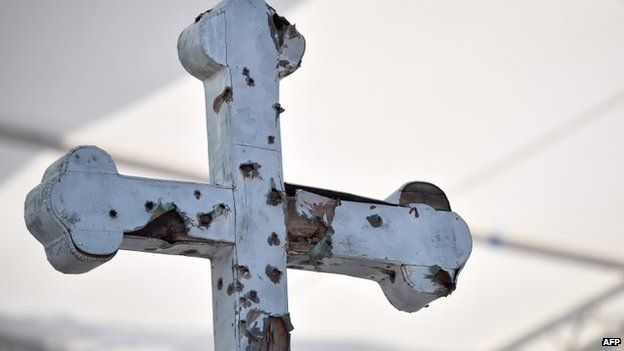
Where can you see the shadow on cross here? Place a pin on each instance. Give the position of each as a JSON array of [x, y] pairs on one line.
[[67, 334]]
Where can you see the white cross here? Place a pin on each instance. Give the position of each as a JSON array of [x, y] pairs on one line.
[[248, 221]]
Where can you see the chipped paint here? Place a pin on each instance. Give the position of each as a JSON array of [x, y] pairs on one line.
[[289, 43], [266, 332]]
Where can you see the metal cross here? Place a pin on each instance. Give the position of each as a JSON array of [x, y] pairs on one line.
[[248, 222]]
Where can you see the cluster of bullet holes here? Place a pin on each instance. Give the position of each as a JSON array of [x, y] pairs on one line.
[[250, 81]]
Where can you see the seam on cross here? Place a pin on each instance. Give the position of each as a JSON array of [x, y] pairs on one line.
[[257, 147]]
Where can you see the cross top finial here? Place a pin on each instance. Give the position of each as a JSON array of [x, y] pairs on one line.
[[221, 38]]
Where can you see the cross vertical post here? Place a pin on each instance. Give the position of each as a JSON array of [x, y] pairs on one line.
[[235, 50]]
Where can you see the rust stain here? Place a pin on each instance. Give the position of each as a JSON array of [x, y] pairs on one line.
[[324, 208], [274, 335]]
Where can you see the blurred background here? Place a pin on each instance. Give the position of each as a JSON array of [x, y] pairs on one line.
[[514, 108]]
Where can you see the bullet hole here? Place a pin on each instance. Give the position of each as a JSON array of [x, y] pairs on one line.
[[236, 286], [197, 194], [220, 284], [414, 211], [278, 109], [191, 252], [250, 170], [375, 221], [205, 219], [391, 274], [225, 96], [243, 271], [274, 197], [373, 207], [250, 81], [271, 140], [252, 296], [283, 63], [112, 214], [149, 205], [273, 239], [274, 274], [244, 302]]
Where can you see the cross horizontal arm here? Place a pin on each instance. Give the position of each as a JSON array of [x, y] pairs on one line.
[[414, 251], [83, 207], [84, 211]]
